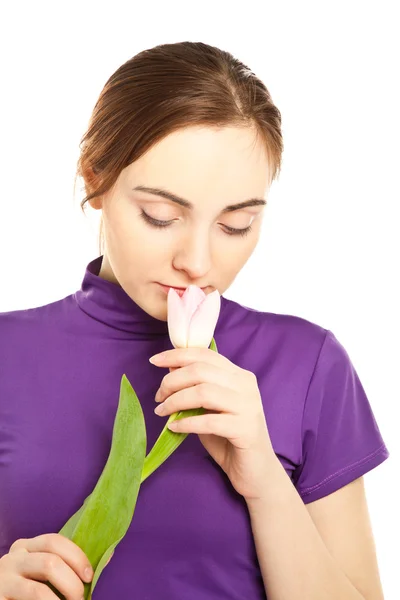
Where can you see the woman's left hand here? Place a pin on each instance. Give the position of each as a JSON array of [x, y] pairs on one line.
[[235, 431]]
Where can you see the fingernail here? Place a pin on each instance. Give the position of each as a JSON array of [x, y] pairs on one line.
[[157, 358], [88, 573]]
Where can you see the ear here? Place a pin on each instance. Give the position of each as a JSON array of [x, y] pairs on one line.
[[92, 182], [96, 203]]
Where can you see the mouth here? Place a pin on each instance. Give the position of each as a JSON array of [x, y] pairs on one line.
[[180, 290]]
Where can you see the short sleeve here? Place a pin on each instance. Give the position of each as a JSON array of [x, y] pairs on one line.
[[341, 440]]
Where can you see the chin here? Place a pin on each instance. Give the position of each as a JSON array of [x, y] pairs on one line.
[[161, 314]]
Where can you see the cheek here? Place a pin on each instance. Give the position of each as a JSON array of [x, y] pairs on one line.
[[125, 228], [248, 250], [235, 253], [233, 261]]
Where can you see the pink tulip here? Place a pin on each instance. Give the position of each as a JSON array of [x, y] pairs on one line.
[[192, 317]]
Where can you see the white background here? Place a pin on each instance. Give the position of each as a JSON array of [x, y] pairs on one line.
[[329, 251]]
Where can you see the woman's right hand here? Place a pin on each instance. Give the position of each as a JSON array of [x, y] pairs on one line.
[[50, 557]]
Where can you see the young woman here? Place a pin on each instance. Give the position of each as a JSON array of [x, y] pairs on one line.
[[266, 497]]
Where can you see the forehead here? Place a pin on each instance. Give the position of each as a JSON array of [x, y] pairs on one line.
[[229, 163]]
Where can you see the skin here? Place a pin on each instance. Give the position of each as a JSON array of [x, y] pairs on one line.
[[209, 167]]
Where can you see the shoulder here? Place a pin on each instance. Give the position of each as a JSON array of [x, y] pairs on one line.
[[285, 334], [19, 327]]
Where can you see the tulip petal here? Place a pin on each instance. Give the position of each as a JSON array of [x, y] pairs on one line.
[[191, 299], [177, 322], [180, 312], [204, 320]]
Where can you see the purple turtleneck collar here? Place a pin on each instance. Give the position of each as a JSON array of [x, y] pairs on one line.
[[108, 302]]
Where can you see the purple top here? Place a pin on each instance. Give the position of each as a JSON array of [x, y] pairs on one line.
[[60, 371]]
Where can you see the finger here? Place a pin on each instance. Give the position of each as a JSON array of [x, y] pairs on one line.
[[226, 426], [19, 587], [45, 566], [55, 543], [203, 395], [179, 357], [194, 374]]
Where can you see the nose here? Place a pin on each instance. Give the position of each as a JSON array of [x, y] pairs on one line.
[[193, 256]]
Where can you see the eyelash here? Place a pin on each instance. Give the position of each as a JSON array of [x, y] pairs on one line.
[[164, 224]]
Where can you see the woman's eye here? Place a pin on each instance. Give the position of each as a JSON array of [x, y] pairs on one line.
[[155, 222], [232, 231], [163, 224]]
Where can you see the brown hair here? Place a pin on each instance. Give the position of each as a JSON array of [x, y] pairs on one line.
[[166, 88]]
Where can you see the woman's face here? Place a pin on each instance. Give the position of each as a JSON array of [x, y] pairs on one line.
[[210, 169]]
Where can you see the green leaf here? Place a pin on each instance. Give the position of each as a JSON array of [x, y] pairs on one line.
[[104, 518]]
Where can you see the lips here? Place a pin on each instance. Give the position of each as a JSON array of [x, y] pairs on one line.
[[166, 289], [179, 290]]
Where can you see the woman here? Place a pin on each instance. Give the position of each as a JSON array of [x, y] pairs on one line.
[[182, 147]]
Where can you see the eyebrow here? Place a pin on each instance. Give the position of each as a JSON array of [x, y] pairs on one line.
[[170, 196]]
